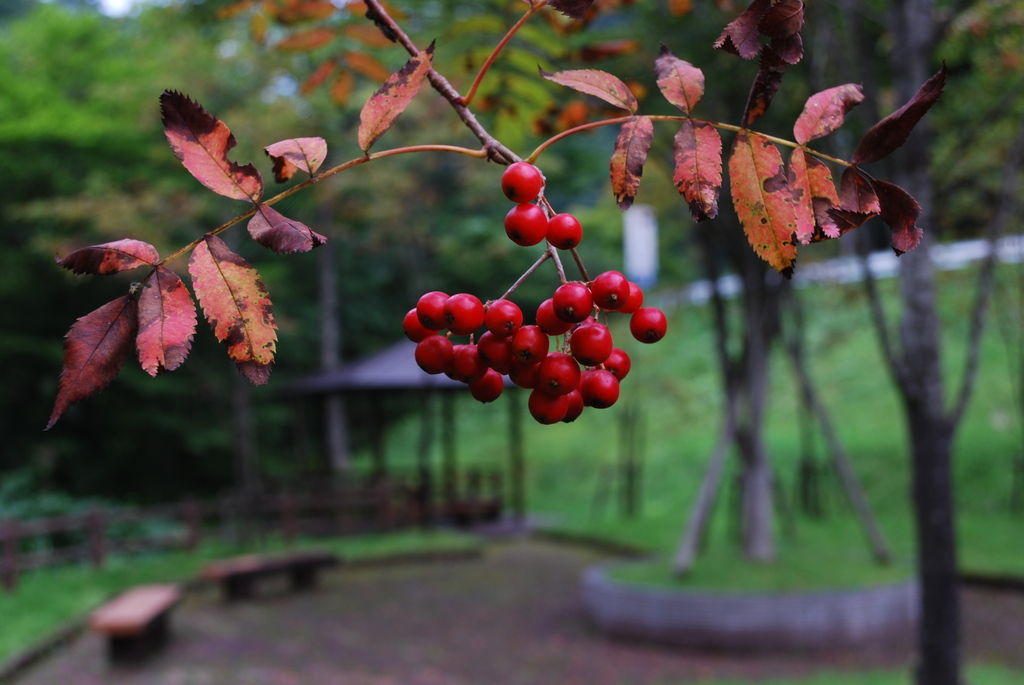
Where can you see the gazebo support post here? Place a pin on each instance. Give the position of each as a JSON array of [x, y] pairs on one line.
[[425, 494], [449, 476]]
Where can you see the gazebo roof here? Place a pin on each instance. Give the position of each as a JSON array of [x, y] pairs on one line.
[[393, 368]]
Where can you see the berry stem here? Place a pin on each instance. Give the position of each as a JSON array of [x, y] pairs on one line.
[[480, 154], [471, 93], [526, 274], [579, 264], [558, 264]]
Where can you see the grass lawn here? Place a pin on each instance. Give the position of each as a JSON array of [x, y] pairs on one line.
[[976, 675], [48, 598]]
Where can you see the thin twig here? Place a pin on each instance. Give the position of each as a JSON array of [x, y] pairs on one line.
[[579, 264], [543, 258], [471, 93], [896, 363], [558, 264]]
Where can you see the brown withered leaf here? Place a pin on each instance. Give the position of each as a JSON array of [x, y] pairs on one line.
[[95, 349], [234, 9], [341, 87], [680, 8], [892, 131], [109, 258], [782, 23], [770, 71], [814, 193], [273, 230], [680, 82], [305, 41], [697, 149], [257, 374], [598, 83], [319, 76], [610, 48], [740, 37], [294, 154], [856, 193], [234, 301], [201, 142], [577, 9], [384, 106], [627, 165], [367, 66], [824, 112], [763, 201], [310, 10], [167, 322], [900, 211]]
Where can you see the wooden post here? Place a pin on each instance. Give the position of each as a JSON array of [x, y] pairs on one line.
[[97, 533], [9, 558], [516, 466], [424, 487], [449, 470], [191, 515]]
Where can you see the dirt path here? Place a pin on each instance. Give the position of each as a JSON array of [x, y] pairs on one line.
[[512, 618]]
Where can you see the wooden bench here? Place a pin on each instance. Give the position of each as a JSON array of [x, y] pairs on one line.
[[238, 575], [136, 622]]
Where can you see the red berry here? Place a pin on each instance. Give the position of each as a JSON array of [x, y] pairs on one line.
[[526, 225], [433, 353], [503, 317], [430, 310], [559, 374], [635, 300], [610, 290], [548, 321], [648, 325], [488, 388], [467, 365], [564, 231], [496, 351], [575, 407], [463, 313], [523, 375], [522, 182], [591, 344], [547, 409], [600, 389], [529, 345], [618, 363], [414, 330], [572, 302]]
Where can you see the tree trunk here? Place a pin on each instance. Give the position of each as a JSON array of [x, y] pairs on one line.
[[335, 419]]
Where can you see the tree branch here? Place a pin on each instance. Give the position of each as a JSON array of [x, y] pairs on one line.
[[896, 362], [498, 152], [1007, 206]]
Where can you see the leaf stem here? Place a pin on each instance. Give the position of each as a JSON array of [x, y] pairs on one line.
[[471, 93], [532, 159], [482, 153], [526, 274]]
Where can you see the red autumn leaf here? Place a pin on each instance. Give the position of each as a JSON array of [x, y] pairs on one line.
[[368, 35], [381, 110], [598, 83], [856, 193], [824, 112], [892, 131], [273, 230], [845, 220], [762, 199], [257, 374], [319, 76], [680, 8], [576, 9], [698, 168], [311, 10], [305, 41], [680, 82], [94, 351], [306, 154], [341, 87], [234, 301], [770, 71], [782, 23], [109, 258], [814, 193], [609, 48], [201, 142], [740, 37], [367, 66], [234, 9], [900, 210], [167, 322], [627, 165]]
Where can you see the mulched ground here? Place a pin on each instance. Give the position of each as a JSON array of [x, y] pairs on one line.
[[513, 617]]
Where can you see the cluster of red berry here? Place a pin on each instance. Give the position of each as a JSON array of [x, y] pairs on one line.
[[560, 388]]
